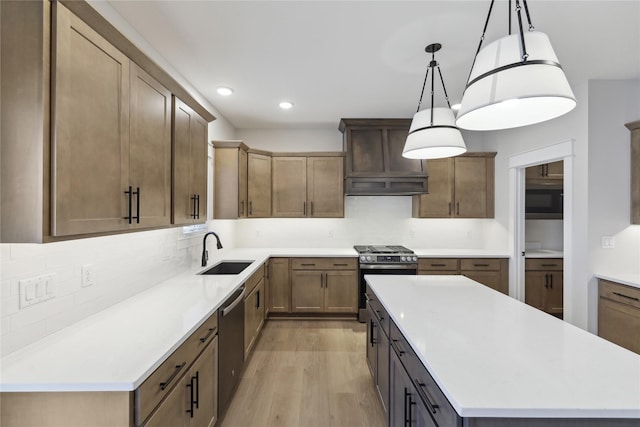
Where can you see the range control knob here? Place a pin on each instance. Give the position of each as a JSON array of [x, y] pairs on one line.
[[363, 258], [414, 259], [368, 258], [403, 258]]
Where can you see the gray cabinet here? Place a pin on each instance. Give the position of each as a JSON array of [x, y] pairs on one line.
[[378, 349]]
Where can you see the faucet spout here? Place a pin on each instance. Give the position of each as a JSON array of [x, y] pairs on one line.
[[205, 253]]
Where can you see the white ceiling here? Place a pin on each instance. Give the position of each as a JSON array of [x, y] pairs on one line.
[[366, 59]]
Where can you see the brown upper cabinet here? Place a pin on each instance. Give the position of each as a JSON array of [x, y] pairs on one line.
[[459, 187], [545, 174], [86, 127], [308, 186], [374, 164], [258, 185], [190, 159], [230, 180], [634, 127]]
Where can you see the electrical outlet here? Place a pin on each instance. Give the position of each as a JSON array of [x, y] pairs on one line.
[[608, 242], [88, 275]]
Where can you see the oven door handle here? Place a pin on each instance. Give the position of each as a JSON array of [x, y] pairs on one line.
[[388, 267]]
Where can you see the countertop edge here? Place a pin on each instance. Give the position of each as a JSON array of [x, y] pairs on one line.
[[632, 280]]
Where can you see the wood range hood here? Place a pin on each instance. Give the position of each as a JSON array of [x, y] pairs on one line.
[[374, 165]]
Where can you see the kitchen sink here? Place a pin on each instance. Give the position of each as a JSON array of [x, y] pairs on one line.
[[228, 267]]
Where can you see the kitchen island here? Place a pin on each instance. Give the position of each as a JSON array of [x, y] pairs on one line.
[[497, 360]]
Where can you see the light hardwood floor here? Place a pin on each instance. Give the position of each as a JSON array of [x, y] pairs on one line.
[[307, 373]]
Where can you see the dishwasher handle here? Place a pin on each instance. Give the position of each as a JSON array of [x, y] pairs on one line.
[[226, 310]]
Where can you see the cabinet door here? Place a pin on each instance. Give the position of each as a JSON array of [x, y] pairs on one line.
[[150, 148], [307, 291], [289, 187], [470, 187], [325, 187], [243, 206], [492, 279], [341, 291], [382, 354], [90, 139], [400, 393], [555, 170], [372, 339], [204, 379], [189, 165], [619, 323], [259, 185], [554, 293], [534, 287], [173, 410], [279, 286], [253, 317], [438, 203]]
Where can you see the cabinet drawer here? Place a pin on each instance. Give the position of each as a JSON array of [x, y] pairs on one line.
[[323, 264], [438, 264], [543, 264], [480, 264], [168, 374], [433, 398], [378, 310], [620, 293], [255, 278]]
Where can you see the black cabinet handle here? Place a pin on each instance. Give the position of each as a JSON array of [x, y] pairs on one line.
[[197, 378], [626, 296], [304, 208], [129, 194], [546, 280], [549, 265], [421, 387], [198, 206], [396, 347], [372, 339], [308, 265], [449, 208], [481, 265], [193, 207], [311, 205], [379, 315], [242, 207], [438, 265], [191, 387], [340, 265], [407, 407], [457, 208], [164, 385], [551, 281], [137, 217], [258, 299], [250, 208], [326, 280], [206, 337]]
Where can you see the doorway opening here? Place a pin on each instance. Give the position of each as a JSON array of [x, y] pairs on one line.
[[521, 231]]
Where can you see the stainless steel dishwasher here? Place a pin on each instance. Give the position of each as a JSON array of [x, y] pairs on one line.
[[231, 353]]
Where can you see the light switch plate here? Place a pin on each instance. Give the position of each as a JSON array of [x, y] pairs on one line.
[[36, 290]]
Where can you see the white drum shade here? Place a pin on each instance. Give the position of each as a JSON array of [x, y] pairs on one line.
[[523, 93], [443, 139]]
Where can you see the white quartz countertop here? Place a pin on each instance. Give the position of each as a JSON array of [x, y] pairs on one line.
[[118, 348], [459, 253], [494, 356], [629, 279], [543, 253]]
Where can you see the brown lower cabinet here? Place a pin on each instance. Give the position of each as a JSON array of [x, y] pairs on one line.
[[543, 284], [491, 272], [279, 286], [254, 308], [619, 314], [378, 348], [324, 285]]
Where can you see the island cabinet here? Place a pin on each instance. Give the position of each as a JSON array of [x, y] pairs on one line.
[[459, 187], [378, 348], [279, 286], [230, 180], [414, 398], [619, 314], [254, 308], [308, 186], [634, 127], [258, 184], [492, 272], [543, 284], [182, 391], [324, 285]]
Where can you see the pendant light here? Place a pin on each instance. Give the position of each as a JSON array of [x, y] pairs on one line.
[[433, 133], [514, 81]]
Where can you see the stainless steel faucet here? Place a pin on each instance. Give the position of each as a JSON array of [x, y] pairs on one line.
[[205, 254]]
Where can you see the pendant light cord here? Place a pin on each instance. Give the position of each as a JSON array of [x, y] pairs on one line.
[[484, 30], [424, 84]]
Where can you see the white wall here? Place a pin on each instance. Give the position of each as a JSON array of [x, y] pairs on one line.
[[544, 234], [124, 264], [612, 104]]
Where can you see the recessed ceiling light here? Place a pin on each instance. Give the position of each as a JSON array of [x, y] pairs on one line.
[[455, 107], [224, 91], [285, 105]]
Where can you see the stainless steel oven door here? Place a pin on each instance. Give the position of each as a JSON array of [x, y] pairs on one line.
[[387, 269]]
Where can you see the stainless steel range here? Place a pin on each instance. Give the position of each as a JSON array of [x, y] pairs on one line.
[[382, 259]]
